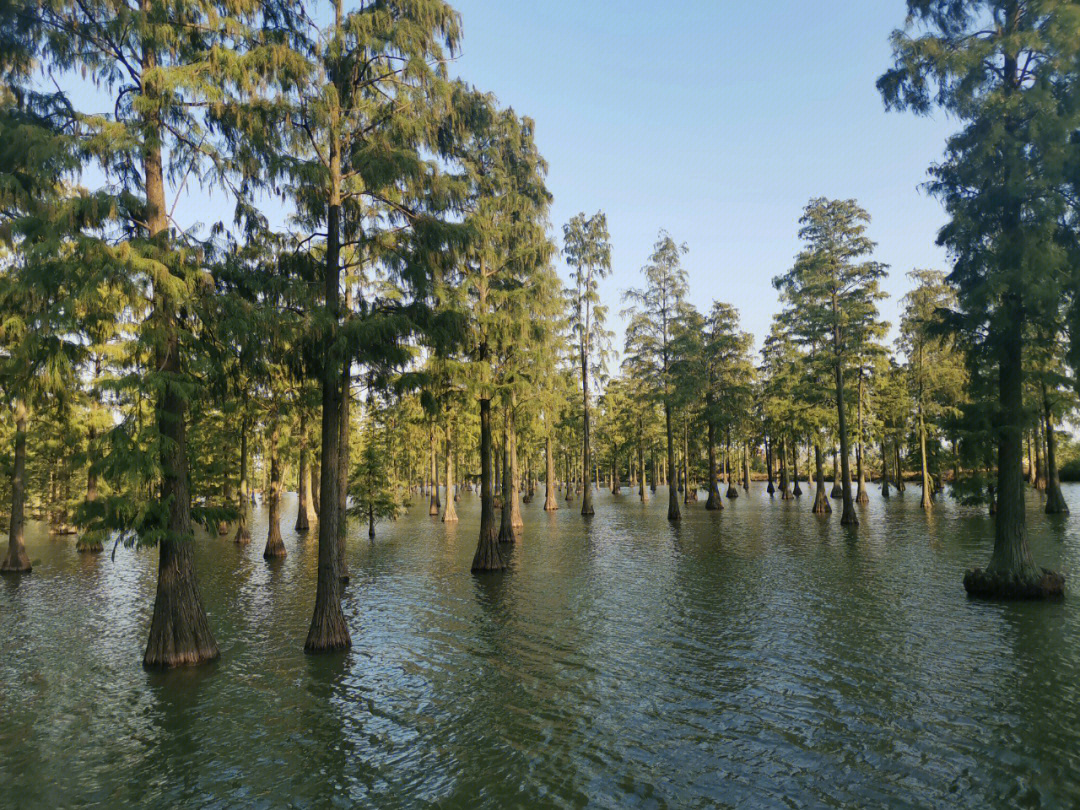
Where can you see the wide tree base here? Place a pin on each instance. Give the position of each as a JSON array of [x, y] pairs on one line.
[[16, 562], [328, 634], [732, 492], [488, 557], [984, 584]]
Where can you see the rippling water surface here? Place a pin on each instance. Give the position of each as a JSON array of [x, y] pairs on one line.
[[757, 657]]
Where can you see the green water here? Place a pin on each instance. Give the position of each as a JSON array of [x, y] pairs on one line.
[[760, 657]]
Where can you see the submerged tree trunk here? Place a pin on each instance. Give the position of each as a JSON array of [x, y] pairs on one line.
[[643, 493], [91, 542], [884, 470], [343, 468], [785, 484], [837, 490], [274, 545], [551, 503], [821, 502], [771, 489], [673, 496], [795, 489], [1040, 467], [449, 514], [179, 629], [1055, 503], [686, 463], [732, 490], [511, 470], [898, 467], [433, 501], [746, 467], [862, 496], [305, 509], [713, 502], [243, 533], [927, 484], [487, 557], [1012, 572], [328, 631], [316, 479], [16, 560]]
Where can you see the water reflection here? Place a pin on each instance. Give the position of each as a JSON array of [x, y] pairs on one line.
[[759, 655]]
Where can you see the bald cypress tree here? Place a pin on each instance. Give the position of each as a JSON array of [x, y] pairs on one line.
[[587, 248], [654, 313], [1006, 69], [831, 296]]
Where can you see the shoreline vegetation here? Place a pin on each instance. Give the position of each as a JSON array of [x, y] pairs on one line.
[[406, 328]]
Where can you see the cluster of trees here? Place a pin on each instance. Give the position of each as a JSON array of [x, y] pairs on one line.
[[403, 329]]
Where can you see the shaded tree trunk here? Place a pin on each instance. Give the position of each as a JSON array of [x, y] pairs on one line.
[[884, 469], [924, 469], [328, 631], [1012, 571], [243, 532], [274, 545], [179, 629], [305, 510], [449, 514], [1055, 503], [713, 502], [673, 497], [16, 561], [785, 485], [433, 466], [771, 489], [551, 503], [487, 557], [795, 489], [821, 502]]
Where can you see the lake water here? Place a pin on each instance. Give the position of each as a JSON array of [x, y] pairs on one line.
[[758, 657]]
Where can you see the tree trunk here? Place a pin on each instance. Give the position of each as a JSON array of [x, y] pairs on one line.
[[551, 503], [1040, 467], [795, 490], [274, 545], [884, 470], [861, 496], [512, 469], [328, 629], [1012, 572], [837, 490], [746, 467], [899, 468], [343, 468], [1055, 503], [243, 532], [732, 490], [643, 493], [179, 629], [487, 557], [16, 561], [713, 502], [771, 489], [586, 449], [449, 510], [305, 510], [673, 496], [433, 465], [316, 477], [821, 502], [927, 484], [686, 463], [785, 485]]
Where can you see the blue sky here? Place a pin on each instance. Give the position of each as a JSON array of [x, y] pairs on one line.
[[717, 121]]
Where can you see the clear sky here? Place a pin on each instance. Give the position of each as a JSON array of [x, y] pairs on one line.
[[717, 120], [714, 119]]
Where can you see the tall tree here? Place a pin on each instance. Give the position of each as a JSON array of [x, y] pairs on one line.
[[1006, 69], [831, 295], [587, 248], [654, 314]]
